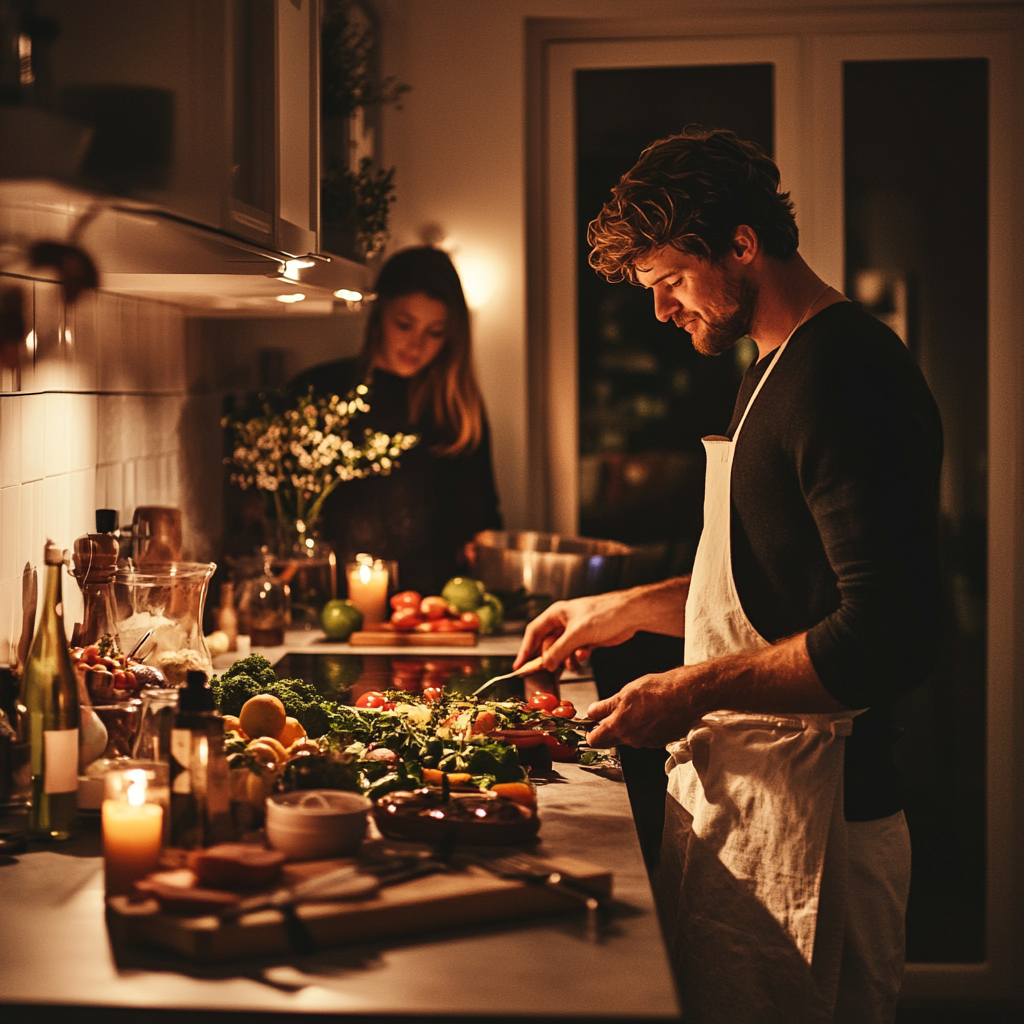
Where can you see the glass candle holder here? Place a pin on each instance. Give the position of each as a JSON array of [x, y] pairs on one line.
[[369, 582], [133, 826]]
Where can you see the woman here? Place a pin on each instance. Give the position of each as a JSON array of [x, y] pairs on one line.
[[417, 360]]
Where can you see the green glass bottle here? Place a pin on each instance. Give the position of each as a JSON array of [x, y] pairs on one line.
[[50, 696]]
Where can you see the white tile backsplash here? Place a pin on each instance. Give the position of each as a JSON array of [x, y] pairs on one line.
[[78, 436]]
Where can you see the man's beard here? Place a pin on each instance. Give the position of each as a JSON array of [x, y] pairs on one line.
[[727, 321]]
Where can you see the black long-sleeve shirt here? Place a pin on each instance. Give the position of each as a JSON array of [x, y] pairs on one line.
[[426, 509], [835, 487]]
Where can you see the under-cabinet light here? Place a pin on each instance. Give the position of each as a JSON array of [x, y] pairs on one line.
[[348, 295], [296, 297], [292, 268]]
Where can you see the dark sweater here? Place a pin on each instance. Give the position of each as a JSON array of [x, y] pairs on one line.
[[835, 488], [427, 509]]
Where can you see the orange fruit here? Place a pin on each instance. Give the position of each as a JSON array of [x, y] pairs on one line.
[[291, 732], [262, 715], [232, 724], [519, 792]]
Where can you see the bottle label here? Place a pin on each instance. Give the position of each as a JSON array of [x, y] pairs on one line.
[[60, 753]]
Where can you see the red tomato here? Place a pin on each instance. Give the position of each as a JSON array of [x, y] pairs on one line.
[[130, 681], [405, 619], [374, 699], [406, 599], [469, 621], [91, 654], [564, 710], [119, 679], [484, 722], [446, 626], [544, 702], [433, 608], [432, 692], [559, 751]]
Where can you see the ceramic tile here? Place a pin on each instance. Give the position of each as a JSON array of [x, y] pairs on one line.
[[82, 504], [8, 637], [58, 433], [38, 535], [10, 441], [129, 493], [10, 512], [27, 351], [82, 343], [112, 428], [26, 518], [123, 372], [83, 416], [50, 372], [56, 511], [33, 436], [110, 487]]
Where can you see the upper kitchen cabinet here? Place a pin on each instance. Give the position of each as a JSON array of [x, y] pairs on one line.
[[208, 109]]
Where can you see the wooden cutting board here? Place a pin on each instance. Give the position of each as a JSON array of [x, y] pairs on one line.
[[377, 636], [460, 897]]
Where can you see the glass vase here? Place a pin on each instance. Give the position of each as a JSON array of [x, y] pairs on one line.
[[309, 566]]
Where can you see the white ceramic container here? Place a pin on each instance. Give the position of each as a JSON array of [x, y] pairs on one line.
[[315, 824]]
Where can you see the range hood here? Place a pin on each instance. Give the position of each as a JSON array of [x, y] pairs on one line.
[[143, 251]]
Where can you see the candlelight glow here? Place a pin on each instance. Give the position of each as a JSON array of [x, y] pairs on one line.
[[365, 574], [136, 787]]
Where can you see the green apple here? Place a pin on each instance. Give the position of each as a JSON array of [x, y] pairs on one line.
[[340, 619], [492, 615], [464, 593]]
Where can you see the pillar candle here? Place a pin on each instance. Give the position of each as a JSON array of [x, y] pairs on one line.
[[132, 833], [368, 590]]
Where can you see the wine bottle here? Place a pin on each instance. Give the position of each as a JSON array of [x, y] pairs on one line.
[[50, 696]]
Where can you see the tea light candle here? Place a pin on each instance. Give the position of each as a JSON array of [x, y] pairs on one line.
[[368, 588], [132, 830]]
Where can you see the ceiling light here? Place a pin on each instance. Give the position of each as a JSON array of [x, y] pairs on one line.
[[296, 297]]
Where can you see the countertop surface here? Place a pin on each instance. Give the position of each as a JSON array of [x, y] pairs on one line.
[[55, 950]]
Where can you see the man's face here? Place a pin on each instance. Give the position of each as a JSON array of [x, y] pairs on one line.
[[713, 301]]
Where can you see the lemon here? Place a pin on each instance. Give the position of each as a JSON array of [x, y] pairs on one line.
[[340, 619]]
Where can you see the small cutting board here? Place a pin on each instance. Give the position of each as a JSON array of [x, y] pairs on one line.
[[460, 897], [378, 635]]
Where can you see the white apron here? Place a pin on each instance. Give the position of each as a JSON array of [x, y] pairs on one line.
[[754, 818]]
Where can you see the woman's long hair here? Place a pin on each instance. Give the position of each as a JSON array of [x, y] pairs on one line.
[[446, 389]]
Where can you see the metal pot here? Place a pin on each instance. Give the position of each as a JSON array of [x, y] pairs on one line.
[[547, 563]]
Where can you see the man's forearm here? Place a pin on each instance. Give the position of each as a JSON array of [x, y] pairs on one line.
[[657, 709]]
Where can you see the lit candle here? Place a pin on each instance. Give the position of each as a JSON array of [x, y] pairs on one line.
[[368, 588], [132, 830]]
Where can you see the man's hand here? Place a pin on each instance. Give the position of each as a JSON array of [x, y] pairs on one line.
[[657, 709], [604, 620], [652, 711]]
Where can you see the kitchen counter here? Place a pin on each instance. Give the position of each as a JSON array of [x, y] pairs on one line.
[[55, 950]]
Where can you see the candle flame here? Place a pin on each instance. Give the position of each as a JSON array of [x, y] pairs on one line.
[[364, 574], [136, 787]]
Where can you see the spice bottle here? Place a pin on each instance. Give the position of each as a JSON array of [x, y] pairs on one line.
[[200, 785], [50, 696]]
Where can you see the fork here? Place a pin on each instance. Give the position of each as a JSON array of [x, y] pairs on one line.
[[525, 868]]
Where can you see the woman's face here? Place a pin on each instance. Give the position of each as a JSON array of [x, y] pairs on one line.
[[414, 329]]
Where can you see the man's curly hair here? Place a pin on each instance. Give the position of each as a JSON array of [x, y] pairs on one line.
[[692, 191]]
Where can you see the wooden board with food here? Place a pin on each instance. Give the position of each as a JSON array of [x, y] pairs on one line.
[[461, 891]]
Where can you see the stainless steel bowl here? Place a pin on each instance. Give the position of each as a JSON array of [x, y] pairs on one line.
[[547, 563]]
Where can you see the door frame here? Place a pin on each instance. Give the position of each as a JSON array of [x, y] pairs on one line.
[[808, 50]]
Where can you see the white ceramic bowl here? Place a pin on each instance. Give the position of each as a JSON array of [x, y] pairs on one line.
[[314, 824]]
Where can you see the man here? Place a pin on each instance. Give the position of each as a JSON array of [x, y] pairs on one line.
[[813, 605]]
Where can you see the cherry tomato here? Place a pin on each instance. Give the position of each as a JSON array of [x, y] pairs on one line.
[[406, 599], [433, 692], [564, 710], [433, 608], [374, 699], [469, 621], [91, 654], [559, 751], [406, 619], [484, 722], [130, 681], [119, 679], [544, 702]]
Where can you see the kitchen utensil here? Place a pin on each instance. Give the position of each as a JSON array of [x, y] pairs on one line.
[[138, 647], [548, 563], [526, 868], [533, 665]]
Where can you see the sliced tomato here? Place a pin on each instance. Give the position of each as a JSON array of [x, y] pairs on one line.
[[544, 702], [406, 619], [433, 608], [564, 710], [406, 599], [484, 722], [432, 692]]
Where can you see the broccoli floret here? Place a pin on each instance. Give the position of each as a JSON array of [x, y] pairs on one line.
[[302, 702], [255, 666], [231, 692]]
